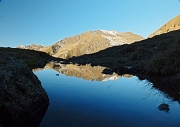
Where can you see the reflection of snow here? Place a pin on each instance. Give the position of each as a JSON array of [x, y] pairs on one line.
[[113, 77]]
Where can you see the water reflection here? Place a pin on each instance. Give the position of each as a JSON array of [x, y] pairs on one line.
[[86, 72], [117, 102], [94, 73]]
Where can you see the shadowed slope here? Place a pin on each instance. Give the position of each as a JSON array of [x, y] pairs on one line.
[[156, 59], [141, 56]]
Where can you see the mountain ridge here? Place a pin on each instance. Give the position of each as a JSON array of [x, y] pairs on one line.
[[86, 43], [171, 25]]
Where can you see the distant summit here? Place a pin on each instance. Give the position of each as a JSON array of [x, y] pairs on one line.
[[173, 24], [86, 43]]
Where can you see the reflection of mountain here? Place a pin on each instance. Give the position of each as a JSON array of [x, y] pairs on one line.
[[86, 43], [86, 72]]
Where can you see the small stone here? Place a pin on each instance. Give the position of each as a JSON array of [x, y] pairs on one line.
[[164, 107]]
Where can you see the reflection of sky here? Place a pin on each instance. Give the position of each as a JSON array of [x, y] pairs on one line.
[[123, 102]]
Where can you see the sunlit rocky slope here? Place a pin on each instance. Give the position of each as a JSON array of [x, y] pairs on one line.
[[86, 43], [173, 24]]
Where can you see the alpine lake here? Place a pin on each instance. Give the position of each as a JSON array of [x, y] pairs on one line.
[[82, 96]]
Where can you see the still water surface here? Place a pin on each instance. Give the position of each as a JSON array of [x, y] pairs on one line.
[[75, 102]]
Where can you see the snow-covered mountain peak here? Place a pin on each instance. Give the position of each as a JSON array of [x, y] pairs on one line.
[[117, 38]]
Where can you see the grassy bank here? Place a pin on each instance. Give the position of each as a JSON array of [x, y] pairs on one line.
[[33, 59]]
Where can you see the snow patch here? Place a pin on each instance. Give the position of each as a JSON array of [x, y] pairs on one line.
[[114, 41], [114, 37], [111, 32]]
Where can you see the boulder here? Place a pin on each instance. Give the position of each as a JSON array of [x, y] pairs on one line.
[[164, 107], [107, 71], [21, 93]]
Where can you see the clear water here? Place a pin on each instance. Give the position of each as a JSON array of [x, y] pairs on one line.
[[129, 102]]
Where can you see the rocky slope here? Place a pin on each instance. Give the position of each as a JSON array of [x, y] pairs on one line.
[[21, 93], [172, 25], [86, 43]]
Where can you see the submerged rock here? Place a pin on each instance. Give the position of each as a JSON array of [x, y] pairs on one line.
[[164, 107], [21, 93]]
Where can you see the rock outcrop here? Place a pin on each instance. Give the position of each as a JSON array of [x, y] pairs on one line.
[[21, 93], [173, 24]]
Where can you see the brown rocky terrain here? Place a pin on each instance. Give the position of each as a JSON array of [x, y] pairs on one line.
[[172, 25], [86, 43]]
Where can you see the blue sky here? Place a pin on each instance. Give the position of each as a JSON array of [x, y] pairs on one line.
[[44, 22]]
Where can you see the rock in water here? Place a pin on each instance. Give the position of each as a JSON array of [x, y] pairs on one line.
[[164, 107], [107, 71], [21, 93]]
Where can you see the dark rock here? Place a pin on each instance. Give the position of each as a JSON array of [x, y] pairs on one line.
[[94, 64], [65, 62], [120, 70], [164, 107], [82, 62], [21, 93], [107, 71], [40, 64], [55, 48]]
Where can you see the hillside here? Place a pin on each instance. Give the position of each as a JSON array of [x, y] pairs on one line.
[[33, 59], [156, 59], [145, 55], [86, 43], [173, 24]]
